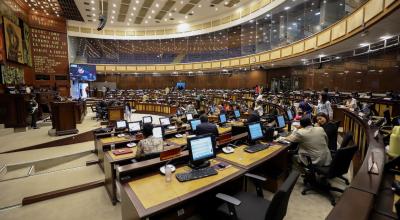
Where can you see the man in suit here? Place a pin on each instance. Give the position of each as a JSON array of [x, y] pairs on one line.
[[313, 142], [206, 127], [253, 116]]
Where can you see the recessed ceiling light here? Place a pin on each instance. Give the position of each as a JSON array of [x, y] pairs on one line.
[[170, 14], [134, 8], [216, 9], [114, 5], [112, 17], [132, 14], [186, 16], [112, 22], [157, 5], [146, 22], [364, 44], [130, 19], [286, 8], [385, 37], [113, 11], [92, 2], [93, 8], [152, 11], [128, 23], [137, 2], [199, 6]]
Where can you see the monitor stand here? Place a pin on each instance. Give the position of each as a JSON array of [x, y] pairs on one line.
[[199, 165]]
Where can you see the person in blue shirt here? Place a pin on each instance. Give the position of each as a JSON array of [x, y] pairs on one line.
[[306, 107]]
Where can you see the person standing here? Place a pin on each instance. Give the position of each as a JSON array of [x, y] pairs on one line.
[[324, 105], [33, 110], [128, 111]]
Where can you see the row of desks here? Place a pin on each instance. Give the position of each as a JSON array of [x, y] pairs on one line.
[[150, 196], [109, 161]]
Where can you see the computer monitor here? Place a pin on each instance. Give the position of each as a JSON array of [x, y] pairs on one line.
[[280, 121], [158, 132], [201, 149], [165, 121], [147, 119], [194, 123], [222, 118], [255, 131], [134, 126], [121, 125], [237, 113], [189, 117], [289, 115]]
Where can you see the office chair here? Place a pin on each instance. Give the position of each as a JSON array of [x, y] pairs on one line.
[[347, 139], [245, 205], [147, 157], [339, 166]]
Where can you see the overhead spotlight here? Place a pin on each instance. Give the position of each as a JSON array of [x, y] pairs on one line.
[[102, 23]]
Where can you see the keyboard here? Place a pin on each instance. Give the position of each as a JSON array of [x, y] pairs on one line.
[[256, 148], [284, 134], [196, 174]]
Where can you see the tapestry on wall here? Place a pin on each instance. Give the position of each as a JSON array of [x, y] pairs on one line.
[[13, 41], [12, 75]]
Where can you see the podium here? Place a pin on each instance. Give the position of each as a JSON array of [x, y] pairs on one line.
[[115, 113], [63, 118]]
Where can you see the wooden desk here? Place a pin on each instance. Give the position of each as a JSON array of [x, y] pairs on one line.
[[222, 130], [246, 160], [148, 196], [14, 110], [111, 162], [104, 144]]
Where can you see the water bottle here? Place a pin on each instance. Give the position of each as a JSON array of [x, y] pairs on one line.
[[168, 173]]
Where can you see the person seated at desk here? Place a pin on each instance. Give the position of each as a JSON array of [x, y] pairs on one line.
[[149, 144], [206, 127], [351, 102], [329, 128], [220, 110], [259, 108], [253, 116], [313, 142], [190, 109]]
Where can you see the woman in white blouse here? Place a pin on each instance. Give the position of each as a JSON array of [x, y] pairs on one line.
[[324, 105]]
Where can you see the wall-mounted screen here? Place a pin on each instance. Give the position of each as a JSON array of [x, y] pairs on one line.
[[82, 72]]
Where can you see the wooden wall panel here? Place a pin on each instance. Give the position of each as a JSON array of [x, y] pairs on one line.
[[275, 54], [264, 57], [244, 61], [388, 3], [372, 8], [287, 51], [310, 43], [298, 48], [324, 38], [215, 81], [355, 20], [339, 30]]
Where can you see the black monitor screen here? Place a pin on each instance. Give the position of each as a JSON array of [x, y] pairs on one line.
[[201, 148], [194, 123], [237, 113], [180, 85], [280, 121], [147, 119], [255, 131], [222, 118], [82, 72], [165, 121], [134, 126], [289, 115], [121, 124]]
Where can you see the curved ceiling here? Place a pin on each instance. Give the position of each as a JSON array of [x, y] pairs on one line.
[[155, 13]]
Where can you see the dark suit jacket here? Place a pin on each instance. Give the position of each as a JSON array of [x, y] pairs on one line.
[[331, 131], [207, 128], [253, 117]]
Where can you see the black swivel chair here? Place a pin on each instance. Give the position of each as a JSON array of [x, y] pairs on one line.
[[347, 140], [339, 166], [245, 205]]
